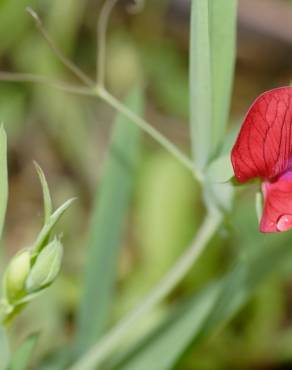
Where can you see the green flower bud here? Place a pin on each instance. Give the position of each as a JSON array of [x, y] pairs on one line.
[[46, 267], [16, 275]]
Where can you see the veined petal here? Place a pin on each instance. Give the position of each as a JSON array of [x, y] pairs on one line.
[[277, 213], [264, 144]]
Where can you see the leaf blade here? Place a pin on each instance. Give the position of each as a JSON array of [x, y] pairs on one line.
[[222, 20], [200, 83], [22, 356], [4, 349], [106, 229]]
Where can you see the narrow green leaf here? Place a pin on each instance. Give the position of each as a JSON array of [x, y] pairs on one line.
[[200, 83], [46, 193], [222, 27], [4, 350], [212, 56], [108, 218], [3, 177], [207, 311], [22, 356], [167, 342]]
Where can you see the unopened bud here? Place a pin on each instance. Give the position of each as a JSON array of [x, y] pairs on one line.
[[16, 275], [46, 267]]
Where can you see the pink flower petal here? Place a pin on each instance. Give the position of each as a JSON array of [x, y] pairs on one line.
[[264, 145], [277, 213]]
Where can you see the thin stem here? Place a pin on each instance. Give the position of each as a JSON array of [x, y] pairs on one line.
[[59, 54], [113, 102], [101, 40], [156, 135], [99, 90], [104, 348], [39, 79], [102, 26]]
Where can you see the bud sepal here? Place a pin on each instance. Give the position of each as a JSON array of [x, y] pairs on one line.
[[46, 267], [16, 274]]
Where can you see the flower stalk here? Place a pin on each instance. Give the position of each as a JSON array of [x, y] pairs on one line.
[[103, 349]]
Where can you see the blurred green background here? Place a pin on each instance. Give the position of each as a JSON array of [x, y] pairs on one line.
[[69, 135]]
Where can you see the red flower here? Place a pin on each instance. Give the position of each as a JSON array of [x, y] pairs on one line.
[[263, 149]]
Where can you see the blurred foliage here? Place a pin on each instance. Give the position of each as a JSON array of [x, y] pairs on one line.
[[68, 136]]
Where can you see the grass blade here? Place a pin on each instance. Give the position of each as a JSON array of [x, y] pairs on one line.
[[212, 55], [222, 20], [106, 229], [206, 312], [200, 83], [4, 349], [22, 356], [3, 177]]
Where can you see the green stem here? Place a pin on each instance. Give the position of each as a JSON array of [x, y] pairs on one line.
[[43, 80], [101, 39], [104, 348], [145, 126], [59, 54], [101, 93], [99, 90]]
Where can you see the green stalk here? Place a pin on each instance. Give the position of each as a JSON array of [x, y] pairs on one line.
[[150, 130], [110, 342]]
